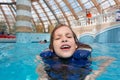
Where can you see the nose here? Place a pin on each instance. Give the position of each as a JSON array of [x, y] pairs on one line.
[[64, 40]]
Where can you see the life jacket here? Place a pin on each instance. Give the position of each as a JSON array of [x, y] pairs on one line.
[[73, 68]]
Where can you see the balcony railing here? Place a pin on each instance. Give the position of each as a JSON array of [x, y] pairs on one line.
[[100, 19]]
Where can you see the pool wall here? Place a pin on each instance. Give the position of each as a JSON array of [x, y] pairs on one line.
[[32, 37], [108, 35]]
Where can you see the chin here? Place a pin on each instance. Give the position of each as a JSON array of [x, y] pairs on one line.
[[66, 56]]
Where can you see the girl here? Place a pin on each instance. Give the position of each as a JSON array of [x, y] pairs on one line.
[[66, 58]]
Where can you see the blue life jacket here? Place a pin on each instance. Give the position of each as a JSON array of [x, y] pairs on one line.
[[74, 68]]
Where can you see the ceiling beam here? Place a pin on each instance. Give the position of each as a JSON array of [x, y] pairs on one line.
[[34, 0], [117, 2], [7, 3], [97, 6], [5, 16], [37, 15], [82, 6], [51, 11], [45, 13], [71, 9], [62, 12], [12, 12]]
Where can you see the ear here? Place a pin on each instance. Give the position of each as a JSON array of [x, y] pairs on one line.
[[76, 46]]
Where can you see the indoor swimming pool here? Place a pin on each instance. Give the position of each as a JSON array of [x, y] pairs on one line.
[[17, 60]]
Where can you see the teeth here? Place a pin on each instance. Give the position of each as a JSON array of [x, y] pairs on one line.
[[65, 46]]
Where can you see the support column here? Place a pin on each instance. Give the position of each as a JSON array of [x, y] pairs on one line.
[[23, 21]]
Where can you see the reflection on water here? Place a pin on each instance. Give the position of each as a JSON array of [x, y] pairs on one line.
[[17, 61]]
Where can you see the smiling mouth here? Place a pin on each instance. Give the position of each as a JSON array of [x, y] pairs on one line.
[[65, 47]]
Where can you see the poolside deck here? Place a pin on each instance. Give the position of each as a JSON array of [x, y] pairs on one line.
[[7, 38], [94, 29]]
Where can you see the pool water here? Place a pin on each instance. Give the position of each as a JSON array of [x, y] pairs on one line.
[[112, 72], [17, 61]]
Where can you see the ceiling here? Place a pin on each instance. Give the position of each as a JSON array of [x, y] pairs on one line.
[[49, 12]]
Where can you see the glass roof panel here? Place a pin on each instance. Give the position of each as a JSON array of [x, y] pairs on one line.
[[84, 1], [88, 5], [75, 5], [105, 5], [63, 12], [111, 2], [100, 1]]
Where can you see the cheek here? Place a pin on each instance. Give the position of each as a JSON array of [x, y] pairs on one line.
[[56, 44], [56, 48], [74, 44]]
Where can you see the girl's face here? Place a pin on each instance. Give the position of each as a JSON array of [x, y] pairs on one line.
[[63, 42]]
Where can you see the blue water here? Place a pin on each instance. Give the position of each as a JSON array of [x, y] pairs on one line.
[[17, 60], [112, 72]]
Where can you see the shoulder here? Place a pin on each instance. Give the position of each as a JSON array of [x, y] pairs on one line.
[[47, 53], [86, 47], [82, 53]]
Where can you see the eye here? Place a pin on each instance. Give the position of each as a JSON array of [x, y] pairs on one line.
[[69, 36], [57, 38]]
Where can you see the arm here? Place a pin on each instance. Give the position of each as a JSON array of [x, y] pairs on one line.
[[106, 62], [40, 69]]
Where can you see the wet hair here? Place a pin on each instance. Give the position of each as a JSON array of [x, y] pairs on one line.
[[79, 45], [53, 32]]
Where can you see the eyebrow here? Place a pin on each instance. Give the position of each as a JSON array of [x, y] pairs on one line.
[[69, 34], [58, 35], [65, 34]]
